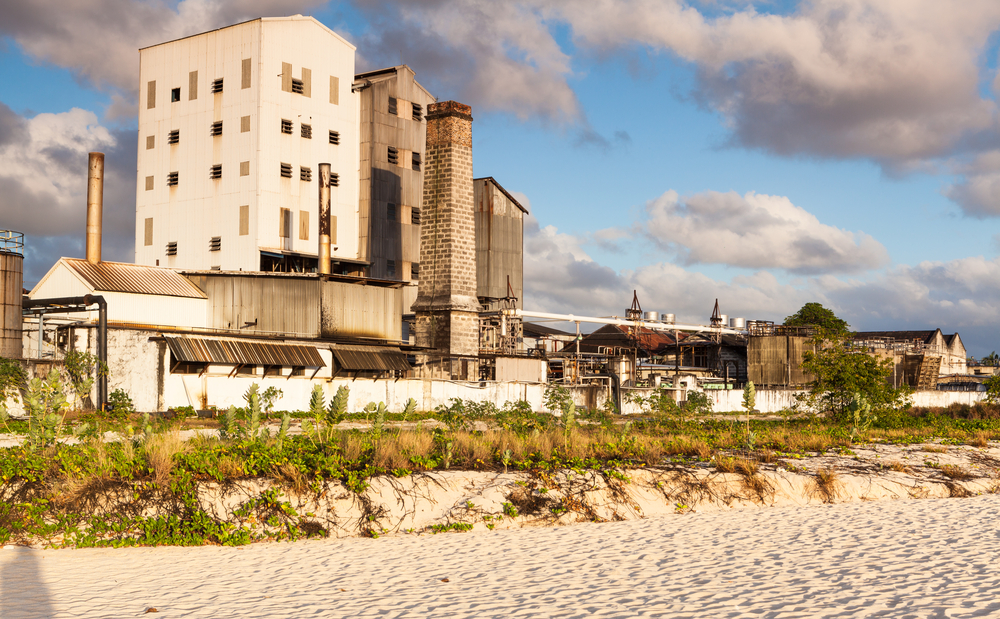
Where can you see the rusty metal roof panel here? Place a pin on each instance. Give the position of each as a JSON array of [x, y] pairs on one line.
[[243, 352], [134, 278], [370, 358]]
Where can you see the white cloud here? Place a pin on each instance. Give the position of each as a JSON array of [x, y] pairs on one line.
[[755, 231], [99, 40], [43, 181], [959, 295]]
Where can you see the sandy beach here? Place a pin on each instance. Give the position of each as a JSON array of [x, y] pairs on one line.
[[903, 558]]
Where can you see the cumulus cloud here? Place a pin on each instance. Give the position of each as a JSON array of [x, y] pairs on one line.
[[893, 81], [959, 295], [756, 231], [495, 56], [99, 39], [43, 179]]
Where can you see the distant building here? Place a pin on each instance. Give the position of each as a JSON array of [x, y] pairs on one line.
[[233, 125], [919, 357]]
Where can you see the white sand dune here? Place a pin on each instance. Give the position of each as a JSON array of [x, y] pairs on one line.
[[903, 558]]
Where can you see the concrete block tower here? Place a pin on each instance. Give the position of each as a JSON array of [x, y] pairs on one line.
[[447, 309]]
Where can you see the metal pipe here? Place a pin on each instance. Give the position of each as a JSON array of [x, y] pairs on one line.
[[41, 330], [81, 304], [95, 206], [652, 326], [323, 266]]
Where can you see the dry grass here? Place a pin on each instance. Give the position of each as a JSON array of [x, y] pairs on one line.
[[935, 449], [725, 465], [291, 478], [351, 445], [980, 439], [897, 466], [160, 451], [827, 484], [953, 471]]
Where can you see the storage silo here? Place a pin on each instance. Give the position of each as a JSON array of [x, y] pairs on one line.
[[11, 285]]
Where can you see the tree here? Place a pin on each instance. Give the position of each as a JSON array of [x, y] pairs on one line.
[[815, 315], [844, 374]]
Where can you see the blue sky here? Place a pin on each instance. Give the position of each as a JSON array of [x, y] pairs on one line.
[[766, 154]]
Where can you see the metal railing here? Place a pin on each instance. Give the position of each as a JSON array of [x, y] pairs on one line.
[[12, 242]]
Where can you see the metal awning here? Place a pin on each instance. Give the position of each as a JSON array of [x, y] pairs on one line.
[[243, 352], [370, 358]]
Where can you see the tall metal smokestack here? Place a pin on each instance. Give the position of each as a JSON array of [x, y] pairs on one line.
[[324, 219], [95, 206]]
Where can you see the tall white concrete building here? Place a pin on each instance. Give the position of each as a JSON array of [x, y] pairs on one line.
[[233, 125]]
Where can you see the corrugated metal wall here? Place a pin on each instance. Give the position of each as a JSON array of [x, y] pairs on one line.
[[353, 311], [277, 304], [11, 282], [499, 242], [768, 360]]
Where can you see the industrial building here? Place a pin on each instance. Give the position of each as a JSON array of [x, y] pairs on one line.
[[233, 125], [299, 224]]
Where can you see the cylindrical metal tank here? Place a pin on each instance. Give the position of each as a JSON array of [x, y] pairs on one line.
[[738, 323], [669, 318], [11, 283], [725, 319], [651, 316]]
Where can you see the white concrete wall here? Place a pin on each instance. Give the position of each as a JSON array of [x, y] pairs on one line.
[[200, 208]]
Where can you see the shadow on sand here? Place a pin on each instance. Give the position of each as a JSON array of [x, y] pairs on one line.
[[23, 593]]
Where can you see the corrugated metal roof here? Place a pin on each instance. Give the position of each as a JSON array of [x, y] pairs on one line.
[[242, 352], [134, 278], [370, 358]]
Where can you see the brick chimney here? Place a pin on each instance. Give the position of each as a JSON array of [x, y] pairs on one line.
[[446, 308]]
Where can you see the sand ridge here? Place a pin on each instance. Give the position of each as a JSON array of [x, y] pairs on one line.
[[907, 558]]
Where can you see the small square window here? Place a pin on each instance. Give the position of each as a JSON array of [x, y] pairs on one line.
[[215, 243], [334, 137], [306, 131], [393, 155], [305, 174], [392, 106], [172, 248], [149, 183], [173, 179], [216, 128], [286, 170], [418, 112], [175, 95], [334, 179], [390, 268], [390, 212], [216, 171], [297, 86], [150, 141], [174, 137], [244, 168], [416, 162], [244, 124], [217, 86], [286, 126], [414, 270], [415, 216]]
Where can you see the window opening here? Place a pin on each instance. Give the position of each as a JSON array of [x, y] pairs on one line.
[[286, 170], [174, 137], [216, 128], [305, 174], [215, 244], [175, 95], [216, 171], [217, 86], [334, 137], [173, 179], [286, 126], [306, 131]]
